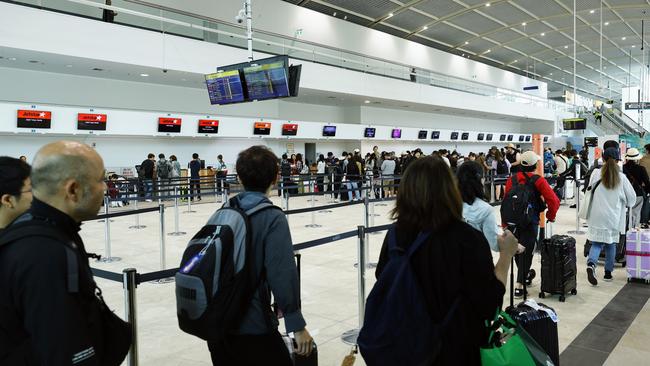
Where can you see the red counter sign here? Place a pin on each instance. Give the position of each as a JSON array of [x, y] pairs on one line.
[[289, 129], [28, 118], [208, 126], [166, 124], [91, 121], [262, 128]]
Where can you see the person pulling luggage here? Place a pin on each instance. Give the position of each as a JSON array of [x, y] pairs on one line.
[[520, 212]]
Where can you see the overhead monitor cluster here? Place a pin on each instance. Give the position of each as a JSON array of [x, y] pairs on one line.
[[269, 78]]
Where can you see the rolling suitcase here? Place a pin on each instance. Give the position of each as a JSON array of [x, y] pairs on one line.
[[558, 266], [638, 255], [539, 320]]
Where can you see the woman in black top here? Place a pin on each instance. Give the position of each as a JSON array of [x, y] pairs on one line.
[[638, 176], [456, 260]]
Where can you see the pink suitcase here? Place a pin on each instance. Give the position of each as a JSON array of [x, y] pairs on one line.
[[638, 254]]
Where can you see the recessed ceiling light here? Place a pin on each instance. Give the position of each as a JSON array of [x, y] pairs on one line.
[[542, 34], [463, 55], [334, 14], [623, 38], [633, 46], [366, 101], [390, 15], [68, 65], [591, 11], [345, 17], [551, 74], [523, 24], [488, 51], [487, 4], [425, 27], [566, 47], [514, 61], [466, 42], [606, 23], [11, 59], [144, 75]]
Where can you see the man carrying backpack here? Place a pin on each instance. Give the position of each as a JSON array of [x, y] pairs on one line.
[[241, 301], [163, 169], [520, 212]]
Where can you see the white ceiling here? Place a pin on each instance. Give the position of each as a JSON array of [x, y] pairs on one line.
[[533, 37]]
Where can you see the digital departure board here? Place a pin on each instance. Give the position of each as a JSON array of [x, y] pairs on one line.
[[480, 137], [489, 137], [34, 119], [169, 125], [267, 81], [208, 126], [574, 123], [225, 87], [464, 136], [91, 122]]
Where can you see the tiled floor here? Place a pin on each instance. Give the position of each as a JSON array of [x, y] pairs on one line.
[[329, 284]]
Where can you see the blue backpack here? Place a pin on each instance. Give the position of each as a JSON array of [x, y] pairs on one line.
[[395, 330]]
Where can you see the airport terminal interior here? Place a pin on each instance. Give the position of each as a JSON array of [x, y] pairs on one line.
[[380, 80]]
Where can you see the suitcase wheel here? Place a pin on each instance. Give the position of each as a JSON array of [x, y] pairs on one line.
[[542, 295], [629, 280], [624, 264], [562, 298], [574, 292]]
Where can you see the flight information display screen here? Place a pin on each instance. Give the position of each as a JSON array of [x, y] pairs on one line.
[[208, 126], [91, 122], [502, 138], [480, 137], [34, 119], [489, 137], [464, 136], [267, 81], [262, 128], [435, 135], [454, 135], [225, 87], [369, 132], [511, 137], [575, 123], [171, 125]]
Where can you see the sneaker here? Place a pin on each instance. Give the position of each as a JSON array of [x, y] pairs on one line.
[[530, 277], [608, 276], [573, 206], [519, 293], [591, 274], [148, 200], [336, 200]]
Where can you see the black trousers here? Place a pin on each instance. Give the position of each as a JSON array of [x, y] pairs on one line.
[[195, 183], [527, 237], [250, 350]]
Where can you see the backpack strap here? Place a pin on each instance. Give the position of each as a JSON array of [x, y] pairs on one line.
[[27, 228], [395, 250]]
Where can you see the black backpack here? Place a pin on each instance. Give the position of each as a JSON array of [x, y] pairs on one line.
[[216, 280], [521, 205], [112, 334], [502, 167]]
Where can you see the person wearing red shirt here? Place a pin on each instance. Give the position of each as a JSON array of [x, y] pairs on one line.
[[528, 235]]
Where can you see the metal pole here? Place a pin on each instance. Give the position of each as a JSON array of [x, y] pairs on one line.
[[249, 28], [216, 191], [381, 191], [189, 199], [107, 258], [575, 87], [332, 200], [313, 212], [366, 224], [286, 202], [137, 218], [176, 232], [350, 337], [163, 250], [576, 195], [130, 313]]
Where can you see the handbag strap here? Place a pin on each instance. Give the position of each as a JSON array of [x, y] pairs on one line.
[[591, 197]]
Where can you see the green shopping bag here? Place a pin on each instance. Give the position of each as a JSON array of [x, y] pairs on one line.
[[510, 345]]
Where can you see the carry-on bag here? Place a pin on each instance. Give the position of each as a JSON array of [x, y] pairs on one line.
[[558, 266], [298, 360], [638, 255], [538, 320]]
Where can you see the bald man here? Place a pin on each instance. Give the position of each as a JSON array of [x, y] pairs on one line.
[[49, 314]]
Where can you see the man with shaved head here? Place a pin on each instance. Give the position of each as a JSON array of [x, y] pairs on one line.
[[49, 311]]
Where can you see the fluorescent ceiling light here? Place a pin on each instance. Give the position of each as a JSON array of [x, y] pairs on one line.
[[623, 38], [566, 47], [390, 15], [144, 75], [606, 23], [542, 34], [366, 101], [487, 4], [524, 24], [425, 28], [466, 42], [591, 11]]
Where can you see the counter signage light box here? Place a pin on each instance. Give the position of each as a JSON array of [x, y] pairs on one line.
[[480, 137], [91, 122], [435, 135], [511, 137], [28, 118], [369, 132], [464, 136], [396, 133], [170, 125], [521, 138], [262, 128], [502, 138], [545, 138], [225, 87], [289, 129], [422, 134], [528, 138], [208, 126], [454, 135], [489, 137], [329, 131]]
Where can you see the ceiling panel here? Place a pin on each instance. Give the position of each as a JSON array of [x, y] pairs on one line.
[[504, 55], [527, 46], [506, 13], [329, 11], [439, 8], [541, 8], [478, 46], [409, 20], [505, 35], [561, 21], [446, 33], [475, 22], [372, 8]]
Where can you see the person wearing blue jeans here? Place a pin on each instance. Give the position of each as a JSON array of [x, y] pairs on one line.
[[148, 189], [353, 187], [610, 255]]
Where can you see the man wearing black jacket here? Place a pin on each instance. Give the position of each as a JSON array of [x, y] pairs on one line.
[[47, 316]]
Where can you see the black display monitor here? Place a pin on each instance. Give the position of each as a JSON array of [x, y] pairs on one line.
[[369, 132], [464, 136], [435, 135], [502, 138], [489, 137], [574, 123], [528, 137], [545, 138], [169, 125], [208, 126], [91, 122], [521, 138], [225, 87], [591, 141], [511, 137], [480, 137], [454, 135], [422, 134], [289, 129], [396, 133], [262, 128], [329, 131]]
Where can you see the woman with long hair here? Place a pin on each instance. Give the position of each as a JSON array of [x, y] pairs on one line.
[[501, 167], [611, 194], [454, 265]]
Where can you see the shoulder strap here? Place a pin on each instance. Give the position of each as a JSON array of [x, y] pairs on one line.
[[27, 229]]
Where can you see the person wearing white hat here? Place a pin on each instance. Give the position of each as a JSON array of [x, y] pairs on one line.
[[527, 233], [638, 176]]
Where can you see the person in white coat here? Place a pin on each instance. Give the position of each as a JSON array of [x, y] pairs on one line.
[[612, 195]]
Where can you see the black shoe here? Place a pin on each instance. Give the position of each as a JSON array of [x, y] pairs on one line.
[[519, 293], [530, 277], [573, 206], [591, 274], [608, 276]]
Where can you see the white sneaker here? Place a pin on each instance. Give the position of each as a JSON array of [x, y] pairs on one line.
[[148, 200]]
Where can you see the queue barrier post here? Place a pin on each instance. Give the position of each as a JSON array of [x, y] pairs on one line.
[[313, 212], [176, 232], [107, 258], [163, 250], [191, 197], [381, 191], [576, 196], [216, 191], [137, 225], [130, 313], [350, 336], [331, 187]]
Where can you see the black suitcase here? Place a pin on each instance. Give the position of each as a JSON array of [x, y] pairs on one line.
[[537, 323], [558, 266]]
